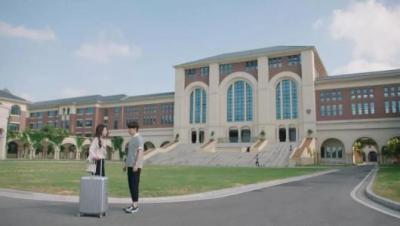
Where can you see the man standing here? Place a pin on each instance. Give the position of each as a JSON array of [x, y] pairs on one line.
[[134, 164]]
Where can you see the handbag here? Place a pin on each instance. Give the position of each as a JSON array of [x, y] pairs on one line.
[[91, 167]]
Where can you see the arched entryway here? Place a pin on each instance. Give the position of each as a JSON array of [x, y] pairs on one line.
[[332, 151], [365, 149], [149, 146], [68, 152], [85, 151], [12, 150]]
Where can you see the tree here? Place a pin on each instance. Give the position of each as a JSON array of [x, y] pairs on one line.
[[392, 149], [117, 145], [40, 139]]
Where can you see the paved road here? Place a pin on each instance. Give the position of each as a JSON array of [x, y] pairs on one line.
[[320, 201]]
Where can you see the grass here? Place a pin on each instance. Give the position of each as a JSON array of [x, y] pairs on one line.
[[387, 182], [63, 177]]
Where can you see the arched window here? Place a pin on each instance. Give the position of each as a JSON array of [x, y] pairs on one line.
[[239, 102], [286, 100], [332, 149], [15, 110], [198, 106]]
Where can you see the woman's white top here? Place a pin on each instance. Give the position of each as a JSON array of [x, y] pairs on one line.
[[95, 151]]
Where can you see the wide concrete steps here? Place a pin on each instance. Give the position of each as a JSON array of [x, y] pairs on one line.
[[273, 155]]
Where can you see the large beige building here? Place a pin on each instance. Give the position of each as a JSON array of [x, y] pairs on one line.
[[271, 98]]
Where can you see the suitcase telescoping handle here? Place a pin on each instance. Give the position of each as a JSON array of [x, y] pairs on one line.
[[101, 167]]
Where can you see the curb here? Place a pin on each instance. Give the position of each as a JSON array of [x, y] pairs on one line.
[[368, 202], [379, 199], [10, 193]]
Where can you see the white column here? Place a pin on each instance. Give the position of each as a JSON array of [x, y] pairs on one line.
[[179, 106], [307, 94], [264, 105], [214, 107]]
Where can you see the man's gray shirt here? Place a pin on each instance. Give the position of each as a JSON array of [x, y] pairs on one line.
[[135, 143]]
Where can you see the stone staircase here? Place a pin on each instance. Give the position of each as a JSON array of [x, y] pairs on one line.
[[272, 155]]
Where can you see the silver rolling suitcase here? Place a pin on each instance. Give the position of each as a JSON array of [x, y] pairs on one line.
[[93, 197]]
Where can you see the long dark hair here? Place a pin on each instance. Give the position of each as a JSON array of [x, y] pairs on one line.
[[99, 133]]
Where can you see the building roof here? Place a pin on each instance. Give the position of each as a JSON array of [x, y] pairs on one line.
[[245, 54], [148, 97], [95, 99], [6, 94], [359, 76]]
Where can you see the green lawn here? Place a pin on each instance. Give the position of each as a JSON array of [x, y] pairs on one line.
[[63, 177], [387, 182]]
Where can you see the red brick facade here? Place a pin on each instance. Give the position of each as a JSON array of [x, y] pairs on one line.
[[378, 99]]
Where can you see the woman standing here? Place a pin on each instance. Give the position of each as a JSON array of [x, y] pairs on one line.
[[98, 149]]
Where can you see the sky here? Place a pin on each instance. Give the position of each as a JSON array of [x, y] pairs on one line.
[[59, 49]]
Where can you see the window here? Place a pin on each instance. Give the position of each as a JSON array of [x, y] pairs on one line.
[[322, 110], [16, 110], [115, 126], [275, 62], [80, 111], [204, 71], [79, 123], [359, 108], [150, 108], [117, 110], [334, 112], [372, 107], [90, 110], [353, 109], [398, 105], [293, 60], [36, 114], [88, 123], [149, 120], [332, 149], [105, 112], [251, 65], [394, 108], [340, 109], [167, 119], [328, 110], [366, 108], [65, 124], [286, 100], [198, 106], [330, 95], [225, 68], [190, 73], [52, 113], [239, 102], [387, 107], [13, 127]]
